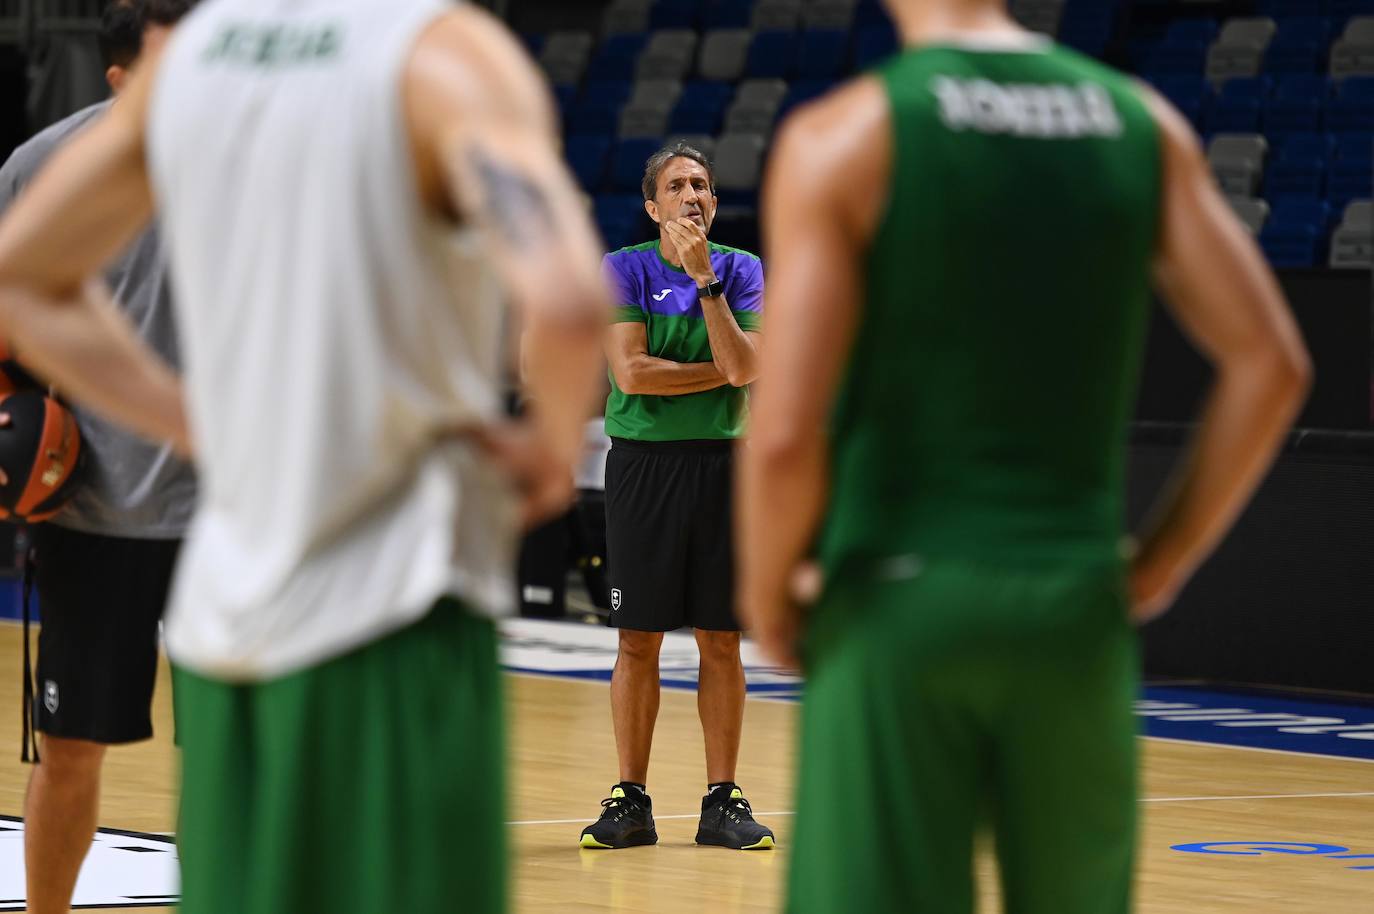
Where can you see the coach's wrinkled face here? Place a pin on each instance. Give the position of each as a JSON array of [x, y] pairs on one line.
[[684, 189]]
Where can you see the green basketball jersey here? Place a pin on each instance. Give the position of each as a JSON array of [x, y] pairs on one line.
[[985, 405]]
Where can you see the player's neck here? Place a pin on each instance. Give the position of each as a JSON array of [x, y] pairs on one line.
[[667, 250], [957, 21]]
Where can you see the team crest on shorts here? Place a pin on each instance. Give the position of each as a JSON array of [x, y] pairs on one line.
[[50, 696], [615, 598]]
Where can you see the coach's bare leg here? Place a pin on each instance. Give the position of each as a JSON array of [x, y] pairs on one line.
[[720, 702], [634, 701], [59, 820]]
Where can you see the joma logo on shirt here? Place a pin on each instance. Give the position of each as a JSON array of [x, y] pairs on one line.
[[1044, 111]]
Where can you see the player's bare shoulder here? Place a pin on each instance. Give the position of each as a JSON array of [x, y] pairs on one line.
[[840, 144]]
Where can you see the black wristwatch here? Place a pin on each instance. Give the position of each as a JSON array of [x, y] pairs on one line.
[[711, 290]]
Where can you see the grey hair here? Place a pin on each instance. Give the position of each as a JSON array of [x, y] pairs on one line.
[[658, 160]]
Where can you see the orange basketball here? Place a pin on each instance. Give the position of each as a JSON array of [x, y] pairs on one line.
[[41, 454]]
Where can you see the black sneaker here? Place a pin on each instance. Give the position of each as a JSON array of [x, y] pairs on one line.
[[626, 821], [728, 821]]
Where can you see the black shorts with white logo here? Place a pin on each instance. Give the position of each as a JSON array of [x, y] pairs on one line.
[[669, 554], [100, 599]]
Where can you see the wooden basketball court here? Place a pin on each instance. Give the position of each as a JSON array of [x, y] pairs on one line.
[[563, 763]]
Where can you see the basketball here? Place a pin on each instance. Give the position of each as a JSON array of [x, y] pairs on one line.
[[40, 452]]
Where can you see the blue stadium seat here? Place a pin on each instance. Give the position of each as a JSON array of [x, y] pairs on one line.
[[871, 13], [1295, 174], [1305, 145], [1238, 106], [598, 109], [1352, 110], [1351, 7], [675, 14], [701, 108], [1087, 26], [1277, 8], [1183, 49], [1189, 94], [822, 54], [1301, 45], [616, 57], [728, 14], [627, 163], [772, 55], [874, 43], [1296, 104], [802, 91], [1291, 244], [620, 218], [1300, 209], [587, 158], [1351, 175]]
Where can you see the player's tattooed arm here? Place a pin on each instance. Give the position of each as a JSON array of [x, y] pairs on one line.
[[485, 141], [516, 206]]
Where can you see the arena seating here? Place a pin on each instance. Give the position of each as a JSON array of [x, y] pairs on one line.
[[1282, 95]]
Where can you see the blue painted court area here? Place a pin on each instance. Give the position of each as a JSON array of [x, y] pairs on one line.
[[1258, 720], [1200, 714]]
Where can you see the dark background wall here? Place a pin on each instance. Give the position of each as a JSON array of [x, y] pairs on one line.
[[1288, 599]]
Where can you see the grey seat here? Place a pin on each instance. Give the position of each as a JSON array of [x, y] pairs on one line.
[[755, 107], [646, 113], [1253, 213], [1239, 49], [781, 15], [828, 14], [1352, 246], [703, 143], [564, 56], [651, 93], [625, 17], [1039, 15], [723, 53], [642, 122], [668, 55], [739, 161], [1237, 159], [1353, 52]]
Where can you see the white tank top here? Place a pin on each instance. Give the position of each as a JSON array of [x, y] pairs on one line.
[[331, 329]]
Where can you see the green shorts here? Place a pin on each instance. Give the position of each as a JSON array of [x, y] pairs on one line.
[[960, 696], [370, 783]]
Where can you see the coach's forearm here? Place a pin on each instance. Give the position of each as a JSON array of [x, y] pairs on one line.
[[663, 377], [731, 348]]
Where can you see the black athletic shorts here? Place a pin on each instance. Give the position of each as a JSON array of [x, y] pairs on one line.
[[100, 599], [669, 555]]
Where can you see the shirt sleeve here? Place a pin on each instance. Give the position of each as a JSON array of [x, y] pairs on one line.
[[12, 178], [746, 293], [629, 303]]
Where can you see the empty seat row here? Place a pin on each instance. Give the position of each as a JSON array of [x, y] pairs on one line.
[[640, 15], [1293, 231], [1248, 46], [618, 166], [1299, 102], [724, 54], [1312, 165]]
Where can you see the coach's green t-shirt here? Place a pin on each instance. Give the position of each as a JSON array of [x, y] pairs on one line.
[[651, 291]]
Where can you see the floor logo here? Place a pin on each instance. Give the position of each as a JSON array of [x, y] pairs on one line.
[[123, 870], [1264, 848]]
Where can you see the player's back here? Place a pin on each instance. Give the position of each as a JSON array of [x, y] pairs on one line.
[[332, 330], [984, 411]]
